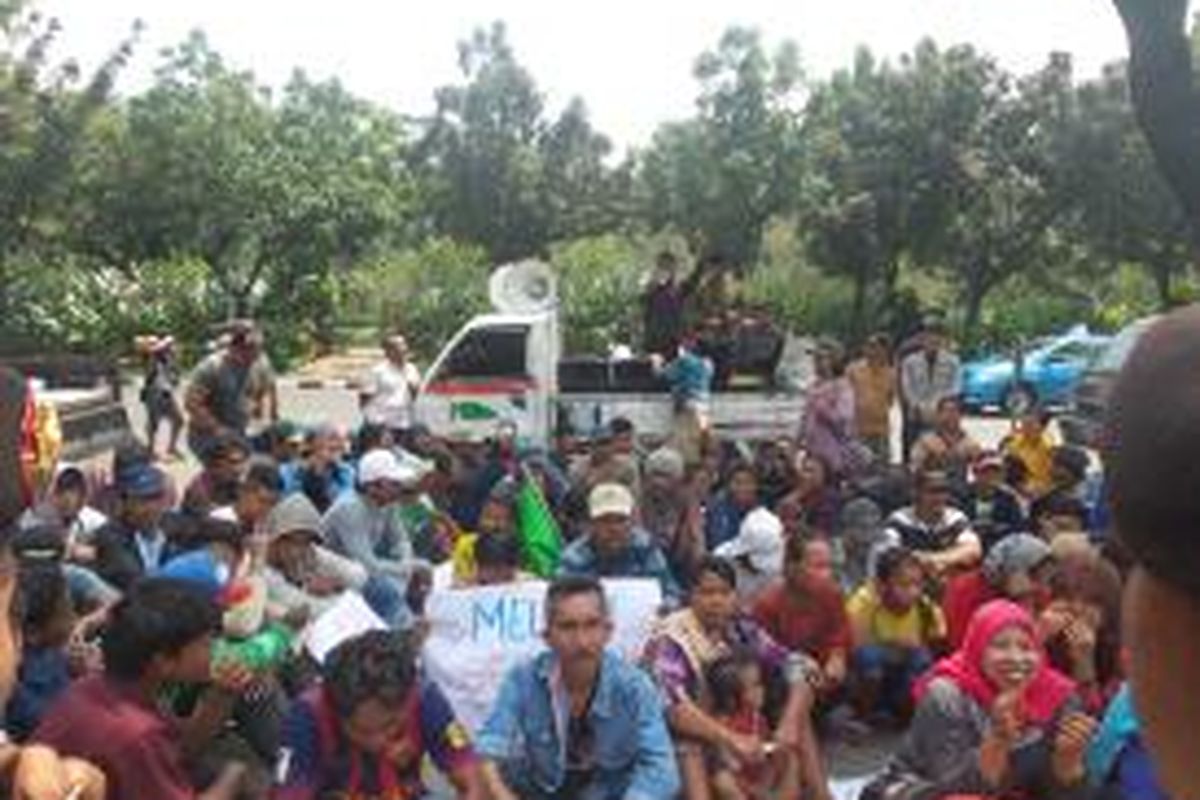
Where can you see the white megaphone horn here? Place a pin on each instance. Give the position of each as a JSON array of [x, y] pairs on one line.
[[524, 287]]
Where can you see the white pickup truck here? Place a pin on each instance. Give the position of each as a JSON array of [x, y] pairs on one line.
[[508, 365]]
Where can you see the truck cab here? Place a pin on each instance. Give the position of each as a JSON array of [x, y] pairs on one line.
[[499, 367], [502, 366]]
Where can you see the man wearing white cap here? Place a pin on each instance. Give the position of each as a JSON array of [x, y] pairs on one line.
[[614, 547], [363, 525], [756, 553]]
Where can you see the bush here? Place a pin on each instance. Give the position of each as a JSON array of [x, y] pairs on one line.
[[70, 304]]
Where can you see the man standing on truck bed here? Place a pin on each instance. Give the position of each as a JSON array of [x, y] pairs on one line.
[[663, 304], [228, 388], [691, 376]]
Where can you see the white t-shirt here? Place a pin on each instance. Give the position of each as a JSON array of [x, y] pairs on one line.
[[81, 531], [391, 390]]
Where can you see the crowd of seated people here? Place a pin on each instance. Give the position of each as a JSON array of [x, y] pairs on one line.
[[961, 600]]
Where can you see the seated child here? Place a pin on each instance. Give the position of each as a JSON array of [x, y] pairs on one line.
[[736, 685], [498, 561], [896, 628], [1058, 515], [497, 517]]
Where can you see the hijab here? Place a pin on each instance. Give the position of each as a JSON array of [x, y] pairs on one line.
[[1046, 691]]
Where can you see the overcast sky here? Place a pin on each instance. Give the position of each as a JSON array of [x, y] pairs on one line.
[[630, 61]]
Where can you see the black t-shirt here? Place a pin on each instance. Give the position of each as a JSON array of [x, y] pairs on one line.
[[581, 753]]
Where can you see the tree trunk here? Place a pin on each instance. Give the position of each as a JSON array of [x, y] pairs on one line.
[[1161, 272], [1162, 85], [976, 290], [859, 310]]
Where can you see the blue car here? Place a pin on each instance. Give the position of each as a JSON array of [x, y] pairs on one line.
[[1049, 370]]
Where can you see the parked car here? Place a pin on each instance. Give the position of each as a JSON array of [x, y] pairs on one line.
[[1046, 372], [1083, 422]]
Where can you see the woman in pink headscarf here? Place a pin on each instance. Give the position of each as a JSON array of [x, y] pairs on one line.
[[993, 720]]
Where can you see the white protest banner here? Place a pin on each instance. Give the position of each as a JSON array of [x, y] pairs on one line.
[[476, 634]]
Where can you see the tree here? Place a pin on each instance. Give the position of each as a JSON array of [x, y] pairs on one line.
[[870, 177], [1002, 181], [44, 113], [944, 163], [346, 194], [583, 195], [1127, 212], [480, 156], [1163, 87], [192, 168], [497, 174], [721, 176], [272, 197]]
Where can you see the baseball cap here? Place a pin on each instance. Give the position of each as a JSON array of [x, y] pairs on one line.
[[382, 465], [760, 539], [201, 569], [142, 482], [610, 499], [416, 466]]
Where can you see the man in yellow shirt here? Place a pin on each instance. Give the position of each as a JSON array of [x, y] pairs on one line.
[[496, 518], [1033, 446], [895, 627]]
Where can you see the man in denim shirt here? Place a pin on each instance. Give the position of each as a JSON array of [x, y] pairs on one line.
[[577, 723], [616, 548]]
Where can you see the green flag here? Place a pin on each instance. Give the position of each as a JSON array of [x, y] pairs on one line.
[[541, 543]]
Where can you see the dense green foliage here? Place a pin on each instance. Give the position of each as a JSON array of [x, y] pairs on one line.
[[1017, 204]]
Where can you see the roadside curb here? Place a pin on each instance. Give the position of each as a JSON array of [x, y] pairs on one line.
[[318, 384]]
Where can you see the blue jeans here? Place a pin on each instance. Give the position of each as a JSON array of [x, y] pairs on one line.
[[893, 670], [386, 598], [88, 590], [516, 776]]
